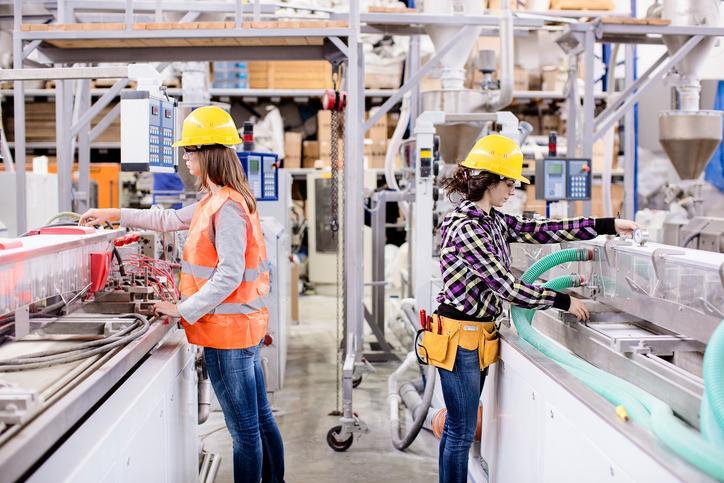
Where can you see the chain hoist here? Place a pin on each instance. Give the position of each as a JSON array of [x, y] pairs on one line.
[[335, 101]]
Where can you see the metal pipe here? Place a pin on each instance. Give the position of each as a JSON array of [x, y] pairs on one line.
[[19, 105], [506, 59], [204, 388], [214, 468]]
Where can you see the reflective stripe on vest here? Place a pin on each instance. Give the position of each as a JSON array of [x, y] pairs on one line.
[[198, 271], [231, 308]]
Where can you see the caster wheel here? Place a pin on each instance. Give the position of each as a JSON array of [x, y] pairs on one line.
[[356, 381], [338, 446]]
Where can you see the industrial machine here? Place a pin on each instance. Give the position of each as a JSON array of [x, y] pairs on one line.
[[688, 134], [148, 130], [262, 172], [91, 384], [274, 351]]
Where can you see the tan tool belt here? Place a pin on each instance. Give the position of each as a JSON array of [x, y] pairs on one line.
[[439, 344]]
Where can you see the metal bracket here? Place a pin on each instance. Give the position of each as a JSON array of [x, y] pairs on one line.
[[710, 309], [609, 249], [636, 287], [657, 260], [17, 405], [660, 345]]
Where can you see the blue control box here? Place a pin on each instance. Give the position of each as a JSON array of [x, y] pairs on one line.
[[262, 173]]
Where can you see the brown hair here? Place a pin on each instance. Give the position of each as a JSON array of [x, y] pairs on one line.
[[221, 166], [471, 186]]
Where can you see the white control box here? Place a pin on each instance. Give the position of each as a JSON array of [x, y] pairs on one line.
[[148, 131]]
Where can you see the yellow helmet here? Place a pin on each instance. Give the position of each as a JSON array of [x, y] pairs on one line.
[[208, 125], [497, 154]]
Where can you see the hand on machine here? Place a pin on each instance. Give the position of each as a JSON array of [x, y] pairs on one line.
[[97, 216]]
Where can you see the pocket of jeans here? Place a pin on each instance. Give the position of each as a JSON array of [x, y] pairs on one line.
[[489, 350]]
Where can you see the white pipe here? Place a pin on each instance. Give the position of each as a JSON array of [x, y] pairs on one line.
[[506, 59], [393, 147], [393, 398]]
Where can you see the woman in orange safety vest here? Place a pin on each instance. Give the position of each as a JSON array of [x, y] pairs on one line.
[[224, 279]]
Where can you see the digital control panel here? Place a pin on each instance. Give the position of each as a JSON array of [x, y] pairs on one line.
[[148, 131], [262, 172], [560, 179]]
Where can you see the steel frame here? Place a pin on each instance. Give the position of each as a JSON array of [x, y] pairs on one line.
[[593, 127]]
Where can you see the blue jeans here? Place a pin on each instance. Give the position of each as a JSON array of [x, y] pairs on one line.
[[238, 381], [461, 389]]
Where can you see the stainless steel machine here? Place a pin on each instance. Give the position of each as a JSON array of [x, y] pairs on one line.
[[91, 385]]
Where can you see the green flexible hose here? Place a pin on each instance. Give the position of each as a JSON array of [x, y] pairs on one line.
[[712, 403], [645, 409]]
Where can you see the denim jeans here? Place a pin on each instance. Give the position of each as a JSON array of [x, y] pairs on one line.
[[238, 381], [461, 389]]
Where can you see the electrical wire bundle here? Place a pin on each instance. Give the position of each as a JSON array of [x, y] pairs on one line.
[[160, 275], [81, 351]]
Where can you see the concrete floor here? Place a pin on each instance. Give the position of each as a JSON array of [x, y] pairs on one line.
[[302, 409]]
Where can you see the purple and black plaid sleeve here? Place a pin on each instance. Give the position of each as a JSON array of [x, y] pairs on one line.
[[475, 259], [549, 231]]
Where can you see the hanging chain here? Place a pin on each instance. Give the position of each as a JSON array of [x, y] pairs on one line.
[[335, 203]]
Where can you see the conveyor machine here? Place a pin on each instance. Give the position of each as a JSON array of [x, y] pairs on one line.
[[653, 309], [92, 387]]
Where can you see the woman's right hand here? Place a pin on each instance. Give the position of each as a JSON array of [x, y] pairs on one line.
[[578, 309], [98, 216]]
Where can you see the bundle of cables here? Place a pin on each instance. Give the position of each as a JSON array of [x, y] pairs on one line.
[[78, 352], [160, 275]]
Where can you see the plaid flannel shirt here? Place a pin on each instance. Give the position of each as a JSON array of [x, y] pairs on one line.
[[475, 258]]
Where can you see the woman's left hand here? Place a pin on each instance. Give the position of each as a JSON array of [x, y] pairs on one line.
[[166, 308], [625, 227]]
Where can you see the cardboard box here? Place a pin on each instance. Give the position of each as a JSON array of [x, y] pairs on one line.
[[553, 78], [520, 81], [379, 130], [549, 123], [293, 149], [310, 153], [597, 203], [324, 125], [375, 152], [292, 74], [496, 4]]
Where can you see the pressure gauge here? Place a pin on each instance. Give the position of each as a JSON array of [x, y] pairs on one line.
[[640, 236]]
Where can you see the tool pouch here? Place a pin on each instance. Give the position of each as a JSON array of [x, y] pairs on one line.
[[440, 349], [489, 348]]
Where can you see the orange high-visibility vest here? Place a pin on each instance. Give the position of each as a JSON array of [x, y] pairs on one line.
[[242, 319]]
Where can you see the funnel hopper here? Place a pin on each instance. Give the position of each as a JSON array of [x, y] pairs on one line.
[[689, 139], [457, 139]]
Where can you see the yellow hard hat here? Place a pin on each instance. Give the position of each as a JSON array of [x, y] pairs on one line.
[[497, 154], [208, 125]]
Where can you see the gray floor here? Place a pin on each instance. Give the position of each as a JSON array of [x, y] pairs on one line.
[[302, 414]]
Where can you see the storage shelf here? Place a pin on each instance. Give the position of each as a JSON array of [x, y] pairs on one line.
[[233, 92], [215, 92], [54, 145]]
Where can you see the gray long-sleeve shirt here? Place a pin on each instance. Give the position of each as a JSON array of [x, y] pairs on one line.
[[230, 245]]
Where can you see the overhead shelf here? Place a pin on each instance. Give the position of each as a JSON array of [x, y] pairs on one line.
[[185, 41], [269, 93]]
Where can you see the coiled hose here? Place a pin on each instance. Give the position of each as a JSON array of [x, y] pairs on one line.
[[712, 404], [645, 409], [80, 351]]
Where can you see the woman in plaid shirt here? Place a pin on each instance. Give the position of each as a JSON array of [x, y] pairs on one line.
[[475, 264]]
